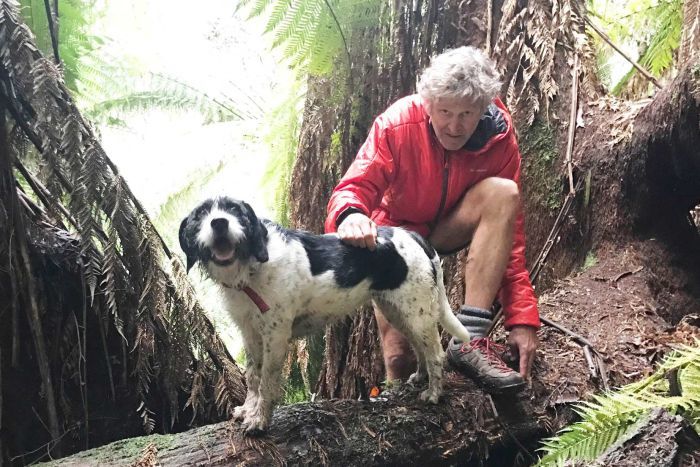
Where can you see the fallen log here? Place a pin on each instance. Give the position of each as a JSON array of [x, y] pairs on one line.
[[398, 429]]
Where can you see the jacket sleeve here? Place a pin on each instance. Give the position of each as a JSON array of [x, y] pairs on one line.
[[366, 180], [517, 295]]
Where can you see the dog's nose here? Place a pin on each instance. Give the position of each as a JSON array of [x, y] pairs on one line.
[[219, 225]]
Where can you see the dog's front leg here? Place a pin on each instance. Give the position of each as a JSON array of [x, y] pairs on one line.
[[274, 349], [252, 343]]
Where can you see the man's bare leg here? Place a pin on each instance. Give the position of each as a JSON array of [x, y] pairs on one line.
[[486, 215], [399, 360]]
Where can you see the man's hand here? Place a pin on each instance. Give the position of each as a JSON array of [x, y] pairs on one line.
[[524, 341], [358, 230]]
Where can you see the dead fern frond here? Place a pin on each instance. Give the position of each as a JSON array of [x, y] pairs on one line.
[[529, 38]]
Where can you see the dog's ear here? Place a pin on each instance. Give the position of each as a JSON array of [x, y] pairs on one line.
[[258, 237], [187, 247]]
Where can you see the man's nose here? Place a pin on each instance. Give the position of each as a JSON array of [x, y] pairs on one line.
[[455, 127], [219, 225]]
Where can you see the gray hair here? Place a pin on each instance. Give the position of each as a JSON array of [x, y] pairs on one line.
[[461, 72]]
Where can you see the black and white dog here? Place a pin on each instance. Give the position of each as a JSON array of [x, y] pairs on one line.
[[279, 284]]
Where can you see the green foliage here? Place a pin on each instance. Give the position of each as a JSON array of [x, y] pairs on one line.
[[170, 213], [282, 138], [107, 88], [294, 388], [313, 33], [590, 261], [539, 155], [116, 92], [650, 26], [75, 40], [608, 417]]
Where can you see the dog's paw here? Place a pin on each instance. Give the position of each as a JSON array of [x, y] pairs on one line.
[[255, 426], [240, 412], [417, 378], [430, 395]]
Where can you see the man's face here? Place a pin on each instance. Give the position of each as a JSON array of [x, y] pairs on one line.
[[454, 120]]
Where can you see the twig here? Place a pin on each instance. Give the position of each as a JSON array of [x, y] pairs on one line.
[[572, 124], [489, 25], [52, 30], [43, 193], [627, 273], [589, 358], [603, 371], [36, 327], [83, 354], [607, 39], [22, 267], [345, 43], [575, 336], [110, 376]]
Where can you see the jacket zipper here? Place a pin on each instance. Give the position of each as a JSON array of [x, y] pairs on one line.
[[443, 198]]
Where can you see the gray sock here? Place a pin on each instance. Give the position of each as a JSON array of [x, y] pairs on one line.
[[476, 320]]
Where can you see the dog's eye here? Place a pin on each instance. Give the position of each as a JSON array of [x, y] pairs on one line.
[[230, 205], [202, 210]]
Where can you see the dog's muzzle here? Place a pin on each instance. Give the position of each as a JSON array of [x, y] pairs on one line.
[[223, 250]]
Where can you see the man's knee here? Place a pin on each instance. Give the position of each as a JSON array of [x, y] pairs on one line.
[[501, 196]]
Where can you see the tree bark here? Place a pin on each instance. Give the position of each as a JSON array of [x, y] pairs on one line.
[[652, 442]]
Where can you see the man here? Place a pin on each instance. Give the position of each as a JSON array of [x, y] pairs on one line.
[[445, 163]]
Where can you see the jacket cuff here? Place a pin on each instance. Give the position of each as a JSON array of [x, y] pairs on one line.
[[524, 318], [341, 217]]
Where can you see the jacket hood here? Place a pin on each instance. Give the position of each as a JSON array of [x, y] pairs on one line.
[[492, 123]]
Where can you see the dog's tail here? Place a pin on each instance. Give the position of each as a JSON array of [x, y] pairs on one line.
[[448, 320], [452, 325]]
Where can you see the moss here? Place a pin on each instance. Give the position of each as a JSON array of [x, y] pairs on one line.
[[590, 261], [127, 450], [539, 155]]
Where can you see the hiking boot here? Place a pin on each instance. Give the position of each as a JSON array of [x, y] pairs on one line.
[[480, 360]]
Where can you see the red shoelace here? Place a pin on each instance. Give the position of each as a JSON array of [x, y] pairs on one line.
[[488, 348]]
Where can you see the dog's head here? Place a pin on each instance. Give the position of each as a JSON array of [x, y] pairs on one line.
[[223, 231]]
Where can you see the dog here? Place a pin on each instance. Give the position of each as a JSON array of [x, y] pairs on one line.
[[279, 284]]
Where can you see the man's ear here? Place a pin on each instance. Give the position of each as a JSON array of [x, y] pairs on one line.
[[190, 251], [258, 238]]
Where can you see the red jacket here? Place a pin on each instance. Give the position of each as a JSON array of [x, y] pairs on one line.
[[402, 176]]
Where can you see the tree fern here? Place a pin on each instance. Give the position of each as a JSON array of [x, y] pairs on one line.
[[75, 37], [652, 27], [281, 139], [170, 213], [311, 32], [607, 418]]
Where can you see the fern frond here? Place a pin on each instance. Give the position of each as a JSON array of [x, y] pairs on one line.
[[606, 418], [307, 30], [171, 211], [282, 138]]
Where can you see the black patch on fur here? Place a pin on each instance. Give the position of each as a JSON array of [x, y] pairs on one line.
[[428, 249], [385, 267], [189, 227]]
